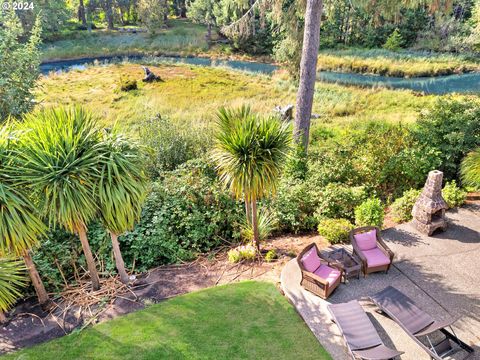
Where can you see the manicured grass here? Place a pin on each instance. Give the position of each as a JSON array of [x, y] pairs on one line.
[[192, 94], [248, 320], [401, 64], [182, 37]]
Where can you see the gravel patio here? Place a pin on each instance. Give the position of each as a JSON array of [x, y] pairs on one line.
[[440, 273]]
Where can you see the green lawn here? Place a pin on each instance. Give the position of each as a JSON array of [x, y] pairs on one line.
[[248, 320], [181, 37]]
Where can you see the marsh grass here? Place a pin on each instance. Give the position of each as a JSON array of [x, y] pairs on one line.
[[400, 64], [192, 94], [182, 38]]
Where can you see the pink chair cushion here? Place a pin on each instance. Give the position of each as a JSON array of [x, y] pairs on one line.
[[310, 260], [367, 240], [376, 257], [327, 273]]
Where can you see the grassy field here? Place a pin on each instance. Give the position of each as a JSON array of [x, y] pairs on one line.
[[248, 320], [401, 64], [182, 37], [193, 94]]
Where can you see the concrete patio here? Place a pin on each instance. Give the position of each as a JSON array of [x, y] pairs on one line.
[[440, 273]]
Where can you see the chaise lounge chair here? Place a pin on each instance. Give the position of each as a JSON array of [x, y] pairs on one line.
[[417, 324], [360, 335], [369, 247], [319, 276]]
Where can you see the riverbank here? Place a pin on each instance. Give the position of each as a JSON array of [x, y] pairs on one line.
[[181, 38], [397, 64]]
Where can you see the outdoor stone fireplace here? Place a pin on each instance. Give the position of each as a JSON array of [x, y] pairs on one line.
[[429, 210]]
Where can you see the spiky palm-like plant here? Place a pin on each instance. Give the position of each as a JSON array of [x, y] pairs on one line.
[[121, 191], [470, 169], [20, 227], [60, 155], [249, 153], [12, 279]]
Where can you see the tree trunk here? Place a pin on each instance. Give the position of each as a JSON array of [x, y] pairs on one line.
[[209, 33], [183, 9], [82, 234], [81, 13], [119, 259], [256, 240], [109, 14], [42, 295], [3, 318], [248, 212], [308, 71], [89, 17]]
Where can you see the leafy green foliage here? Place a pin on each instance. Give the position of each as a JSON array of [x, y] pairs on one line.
[[401, 208], [470, 169], [186, 212], [20, 226], [453, 195], [271, 255], [294, 206], [12, 279], [250, 152], [240, 253], [394, 41], [267, 223], [339, 201], [171, 144], [335, 230], [59, 159], [19, 63], [451, 127], [122, 185], [370, 213], [152, 14]]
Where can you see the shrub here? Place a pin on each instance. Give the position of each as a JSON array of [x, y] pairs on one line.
[[267, 223], [401, 209], [245, 252], [370, 213], [451, 127], [171, 143], [335, 230], [339, 201], [128, 85], [453, 195], [394, 41], [271, 255], [186, 213], [294, 206]]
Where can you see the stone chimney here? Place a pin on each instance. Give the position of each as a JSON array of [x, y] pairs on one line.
[[429, 210]]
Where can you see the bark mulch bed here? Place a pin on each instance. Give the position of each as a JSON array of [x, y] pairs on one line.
[[78, 307]]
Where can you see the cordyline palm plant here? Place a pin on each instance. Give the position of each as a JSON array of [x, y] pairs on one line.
[[60, 155], [121, 191], [12, 279], [20, 227], [250, 153], [470, 169]]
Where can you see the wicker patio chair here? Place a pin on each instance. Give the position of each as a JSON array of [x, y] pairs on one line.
[[373, 253], [321, 280]]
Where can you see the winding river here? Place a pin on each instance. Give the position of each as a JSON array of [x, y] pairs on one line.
[[461, 83]]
